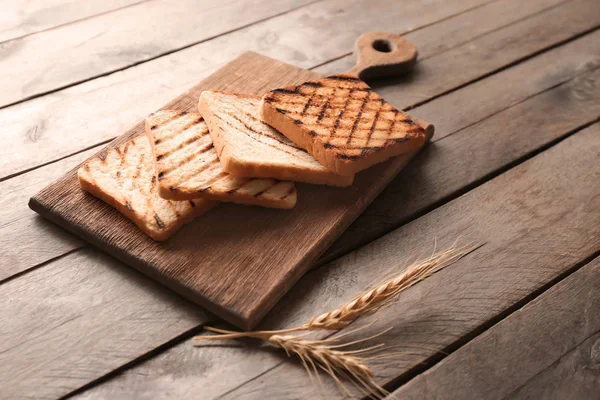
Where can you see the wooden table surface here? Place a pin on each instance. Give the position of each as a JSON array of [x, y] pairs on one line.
[[513, 88]]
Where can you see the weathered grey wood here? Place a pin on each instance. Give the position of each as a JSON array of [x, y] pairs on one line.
[[79, 318], [332, 285], [82, 50], [451, 164], [513, 42], [338, 292], [54, 130], [544, 350], [62, 123], [574, 376], [543, 201], [536, 32], [20, 18], [459, 29], [550, 199], [26, 239], [401, 200]]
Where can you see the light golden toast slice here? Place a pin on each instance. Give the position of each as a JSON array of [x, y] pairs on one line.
[[187, 166], [247, 147], [342, 123], [124, 178]]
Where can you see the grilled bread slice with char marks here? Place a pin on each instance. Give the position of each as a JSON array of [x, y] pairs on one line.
[[124, 178], [247, 147], [341, 122], [187, 166]]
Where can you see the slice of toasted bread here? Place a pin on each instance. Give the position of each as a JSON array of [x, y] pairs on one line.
[[341, 122], [187, 166], [124, 178], [247, 147]]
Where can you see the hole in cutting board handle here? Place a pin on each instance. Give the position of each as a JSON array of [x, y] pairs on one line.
[[382, 55], [383, 45]]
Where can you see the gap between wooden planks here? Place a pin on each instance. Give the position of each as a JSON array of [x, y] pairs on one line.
[[46, 250], [62, 123], [514, 213], [157, 28], [178, 354], [511, 86], [546, 350], [223, 355], [542, 200], [20, 18], [77, 52]]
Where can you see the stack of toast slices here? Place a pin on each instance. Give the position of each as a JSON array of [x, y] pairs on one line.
[[249, 150]]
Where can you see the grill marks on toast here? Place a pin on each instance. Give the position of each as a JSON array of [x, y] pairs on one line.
[[188, 167], [345, 116], [249, 147], [124, 178]]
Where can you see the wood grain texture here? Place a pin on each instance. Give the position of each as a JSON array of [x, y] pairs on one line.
[[451, 113], [472, 150], [82, 50], [487, 53], [26, 239], [542, 351], [20, 18], [458, 29], [541, 201], [200, 371], [574, 376], [248, 257], [62, 123], [156, 376], [80, 318], [550, 199]]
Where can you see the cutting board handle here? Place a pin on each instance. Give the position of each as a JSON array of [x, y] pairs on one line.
[[383, 54]]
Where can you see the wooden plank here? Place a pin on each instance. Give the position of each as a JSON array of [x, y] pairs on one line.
[[20, 18], [541, 201], [26, 239], [62, 123], [550, 199], [542, 351], [81, 51], [55, 123], [458, 30], [327, 287], [401, 201], [334, 283], [446, 169], [574, 376], [210, 364], [487, 53], [78, 319]]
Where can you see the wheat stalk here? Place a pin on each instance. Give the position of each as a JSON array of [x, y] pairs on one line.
[[341, 365], [362, 304]]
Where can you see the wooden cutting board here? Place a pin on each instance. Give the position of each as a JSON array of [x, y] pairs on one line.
[[236, 261]]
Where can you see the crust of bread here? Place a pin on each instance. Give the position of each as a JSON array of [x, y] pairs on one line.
[[281, 158], [102, 178], [188, 167]]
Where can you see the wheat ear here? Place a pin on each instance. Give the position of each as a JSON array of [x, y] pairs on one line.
[[374, 299], [362, 304], [341, 365]]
